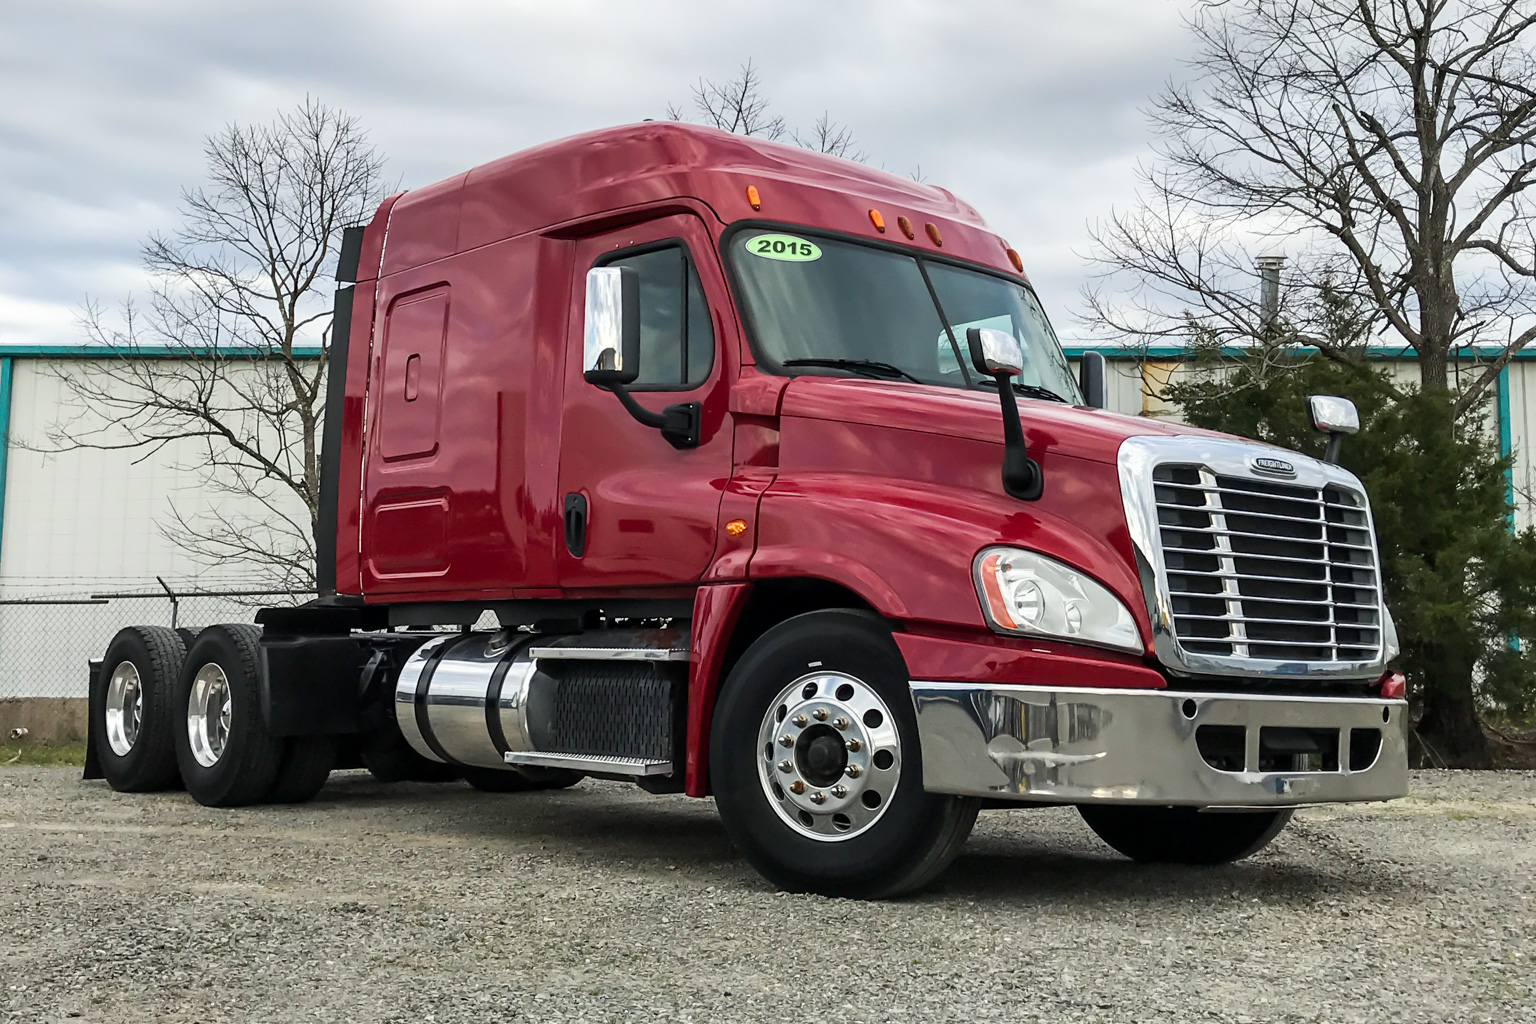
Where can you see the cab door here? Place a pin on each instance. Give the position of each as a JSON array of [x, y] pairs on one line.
[[638, 512]]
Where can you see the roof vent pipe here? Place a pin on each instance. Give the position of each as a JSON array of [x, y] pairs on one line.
[[1269, 277]]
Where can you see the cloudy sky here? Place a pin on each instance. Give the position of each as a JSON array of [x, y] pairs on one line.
[[1029, 109]]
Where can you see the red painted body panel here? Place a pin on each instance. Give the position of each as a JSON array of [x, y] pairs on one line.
[[988, 659], [715, 611], [651, 508]]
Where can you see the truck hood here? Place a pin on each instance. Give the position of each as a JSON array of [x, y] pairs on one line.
[[1077, 431]]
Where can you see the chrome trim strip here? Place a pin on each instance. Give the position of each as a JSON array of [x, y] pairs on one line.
[[1138, 457], [667, 644], [1080, 745], [589, 762], [606, 654]]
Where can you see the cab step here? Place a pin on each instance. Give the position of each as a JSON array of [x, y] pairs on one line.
[[589, 762]]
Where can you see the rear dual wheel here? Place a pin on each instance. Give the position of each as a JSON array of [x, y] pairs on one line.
[[134, 724], [226, 755]]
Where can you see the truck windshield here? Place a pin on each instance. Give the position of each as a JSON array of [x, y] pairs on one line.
[[823, 305]]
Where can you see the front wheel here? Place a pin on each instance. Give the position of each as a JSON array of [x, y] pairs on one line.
[[816, 767], [1183, 835]]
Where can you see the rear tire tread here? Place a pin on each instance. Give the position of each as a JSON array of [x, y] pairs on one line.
[[150, 764]]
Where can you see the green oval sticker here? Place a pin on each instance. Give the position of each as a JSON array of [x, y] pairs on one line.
[[783, 247]]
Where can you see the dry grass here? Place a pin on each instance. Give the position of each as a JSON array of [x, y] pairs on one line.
[[42, 754]]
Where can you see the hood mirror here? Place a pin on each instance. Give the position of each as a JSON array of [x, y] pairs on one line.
[[1335, 417], [997, 354], [1092, 380]]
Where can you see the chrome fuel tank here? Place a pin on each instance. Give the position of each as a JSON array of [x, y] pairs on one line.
[[463, 698]]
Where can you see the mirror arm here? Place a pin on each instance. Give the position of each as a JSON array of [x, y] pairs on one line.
[[1022, 477], [1335, 443], [679, 422]]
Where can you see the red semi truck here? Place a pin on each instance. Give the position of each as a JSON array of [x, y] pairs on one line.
[[779, 488]]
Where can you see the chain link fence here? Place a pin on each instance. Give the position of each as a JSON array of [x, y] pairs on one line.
[[46, 641]]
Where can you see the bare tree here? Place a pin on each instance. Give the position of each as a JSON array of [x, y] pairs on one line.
[[1387, 145], [215, 362], [739, 106]]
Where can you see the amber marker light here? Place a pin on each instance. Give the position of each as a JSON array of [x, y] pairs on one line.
[[906, 227], [753, 198], [933, 233], [736, 527], [1018, 264], [877, 220], [997, 604]]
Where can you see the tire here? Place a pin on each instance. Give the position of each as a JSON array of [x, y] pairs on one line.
[[307, 763], [227, 758], [497, 780], [842, 663], [133, 726], [1183, 835]]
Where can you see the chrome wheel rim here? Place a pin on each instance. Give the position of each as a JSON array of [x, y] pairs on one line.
[[124, 708], [208, 714], [829, 756]]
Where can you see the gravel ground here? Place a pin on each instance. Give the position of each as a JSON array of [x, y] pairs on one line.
[[601, 903]]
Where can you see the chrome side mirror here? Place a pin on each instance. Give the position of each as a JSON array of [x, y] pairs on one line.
[[610, 351], [995, 353], [1335, 417]]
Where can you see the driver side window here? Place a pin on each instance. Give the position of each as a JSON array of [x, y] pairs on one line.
[[677, 344]]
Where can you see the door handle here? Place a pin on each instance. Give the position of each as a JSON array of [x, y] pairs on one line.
[[576, 524]]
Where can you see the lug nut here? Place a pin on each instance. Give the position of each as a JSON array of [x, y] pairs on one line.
[[797, 787], [839, 791], [853, 771], [840, 722], [801, 721], [785, 766], [820, 714], [855, 746], [786, 740], [818, 797]]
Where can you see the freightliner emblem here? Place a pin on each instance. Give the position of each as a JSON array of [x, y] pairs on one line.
[[1274, 467]]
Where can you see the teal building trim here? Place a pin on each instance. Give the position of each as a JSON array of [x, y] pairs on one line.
[[7, 365]]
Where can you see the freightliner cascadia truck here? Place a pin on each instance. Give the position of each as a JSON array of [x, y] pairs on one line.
[[778, 488]]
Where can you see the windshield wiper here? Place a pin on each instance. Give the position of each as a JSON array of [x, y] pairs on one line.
[[868, 367], [1027, 390]]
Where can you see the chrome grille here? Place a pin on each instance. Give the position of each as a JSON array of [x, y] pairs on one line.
[[1267, 570]]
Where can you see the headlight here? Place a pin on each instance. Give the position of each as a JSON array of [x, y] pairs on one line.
[[1029, 594]]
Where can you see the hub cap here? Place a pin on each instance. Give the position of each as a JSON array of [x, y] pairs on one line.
[[208, 715], [829, 756], [124, 708]]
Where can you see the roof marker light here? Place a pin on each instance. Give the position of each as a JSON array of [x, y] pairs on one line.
[[877, 220], [1018, 264], [753, 198], [906, 227], [933, 233]]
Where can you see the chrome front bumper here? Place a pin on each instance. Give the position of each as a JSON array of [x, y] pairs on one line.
[[1078, 745]]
